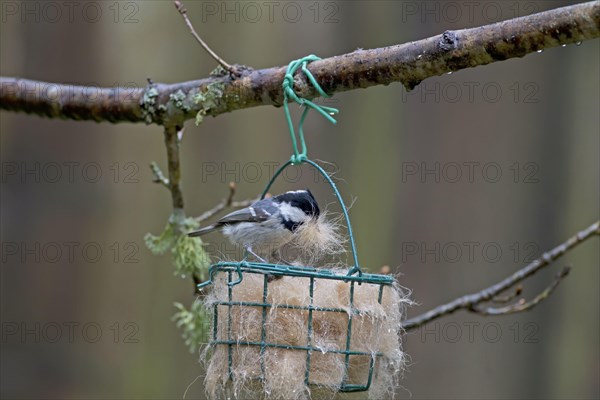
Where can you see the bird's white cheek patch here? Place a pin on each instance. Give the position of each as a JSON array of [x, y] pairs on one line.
[[292, 213]]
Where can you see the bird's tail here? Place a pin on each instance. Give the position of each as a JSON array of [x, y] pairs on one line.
[[202, 231]]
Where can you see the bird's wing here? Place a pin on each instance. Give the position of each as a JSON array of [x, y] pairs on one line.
[[257, 212], [254, 213], [202, 231]]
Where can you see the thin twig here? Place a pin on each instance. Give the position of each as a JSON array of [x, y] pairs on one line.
[[242, 203], [469, 302], [508, 298], [232, 188], [179, 6], [225, 203], [523, 305], [159, 177], [408, 63]]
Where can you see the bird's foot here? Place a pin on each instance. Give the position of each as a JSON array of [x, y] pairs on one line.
[[259, 258]]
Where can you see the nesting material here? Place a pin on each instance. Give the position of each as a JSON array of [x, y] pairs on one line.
[[313, 241], [277, 372]]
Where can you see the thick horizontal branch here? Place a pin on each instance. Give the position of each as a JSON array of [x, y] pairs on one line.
[[471, 302], [409, 63]]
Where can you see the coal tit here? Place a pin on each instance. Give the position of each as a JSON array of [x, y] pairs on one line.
[[268, 224]]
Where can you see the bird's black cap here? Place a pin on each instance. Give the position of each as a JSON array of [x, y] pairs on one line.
[[302, 199]]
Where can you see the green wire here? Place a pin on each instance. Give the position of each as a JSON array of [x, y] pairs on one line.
[[300, 156]]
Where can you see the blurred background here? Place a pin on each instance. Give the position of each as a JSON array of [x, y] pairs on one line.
[[457, 184]]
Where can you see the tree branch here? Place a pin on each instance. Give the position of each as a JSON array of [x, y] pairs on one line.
[[409, 63], [173, 135], [472, 301], [523, 305], [508, 298]]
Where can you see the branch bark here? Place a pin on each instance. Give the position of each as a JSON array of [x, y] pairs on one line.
[[471, 302], [409, 63], [173, 135]]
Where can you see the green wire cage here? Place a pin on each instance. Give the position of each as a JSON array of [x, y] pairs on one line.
[[235, 272]]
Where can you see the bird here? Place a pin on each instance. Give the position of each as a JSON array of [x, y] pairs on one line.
[[268, 224]]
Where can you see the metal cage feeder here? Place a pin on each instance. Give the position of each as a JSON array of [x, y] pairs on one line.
[[235, 272]]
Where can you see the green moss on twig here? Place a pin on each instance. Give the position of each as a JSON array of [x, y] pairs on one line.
[[189, 259], [194, 324], [188, 254]]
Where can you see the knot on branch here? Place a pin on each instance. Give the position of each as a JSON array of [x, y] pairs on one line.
[[449, 41]]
